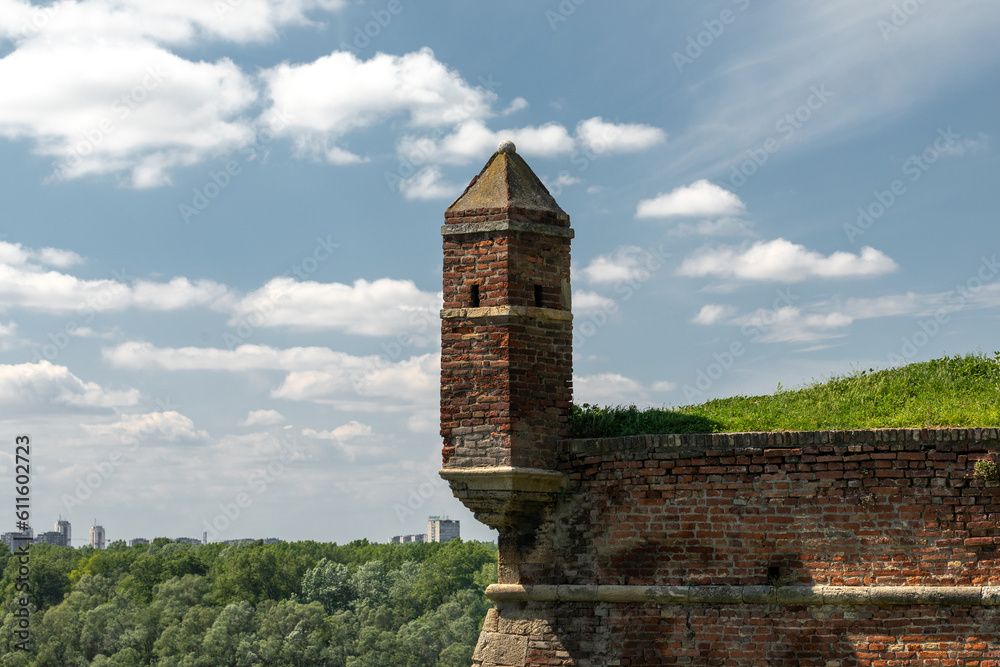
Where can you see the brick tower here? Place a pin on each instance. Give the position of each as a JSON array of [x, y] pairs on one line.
[[506, 341]]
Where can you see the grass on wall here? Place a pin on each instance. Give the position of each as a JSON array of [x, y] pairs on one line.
[[951, 391]]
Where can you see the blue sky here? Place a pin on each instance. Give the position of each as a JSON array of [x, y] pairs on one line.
[[220, 259]]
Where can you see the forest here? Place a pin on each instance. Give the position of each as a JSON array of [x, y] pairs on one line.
[[292, 603]]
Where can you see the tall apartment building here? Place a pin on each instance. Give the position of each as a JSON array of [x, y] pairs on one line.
[[54, 538], [97, 537], [441, 530], [63, 527]]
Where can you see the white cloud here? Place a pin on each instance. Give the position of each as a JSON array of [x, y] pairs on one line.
[[700, 199], [790, 324], [720, 227], [602, 137], [348, 431], [33, 288], [516, 105], [373, 308], [563, 180], [338, 93], [342, 437], [959, 148], [781, 260], [663, 386], [472, 140], [263, 418], [95, 87], [606, 389], [590, 302], [713, 313], [428, 184], [625, 263], [377, 308], [315, 374], [44, 387], [169, 426]]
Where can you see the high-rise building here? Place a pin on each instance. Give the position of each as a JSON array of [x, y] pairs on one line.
[[63, 527], [137, 540], [54, 538], [97, 536], [441, 530], [15, 540]]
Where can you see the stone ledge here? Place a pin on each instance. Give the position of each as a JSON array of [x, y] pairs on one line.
[[506, 226], [504, 495], [757, 441], [786, 595], [527, 312]]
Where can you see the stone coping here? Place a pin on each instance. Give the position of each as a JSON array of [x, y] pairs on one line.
[[762, 441], [507, 311], [460, 228], [786, 595]]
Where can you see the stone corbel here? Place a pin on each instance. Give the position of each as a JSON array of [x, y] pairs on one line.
[[504, 497]]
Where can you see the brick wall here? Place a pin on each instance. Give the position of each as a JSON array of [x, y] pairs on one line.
[[899, 508]]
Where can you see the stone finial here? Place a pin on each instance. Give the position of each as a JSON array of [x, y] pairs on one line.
[[506, 146]]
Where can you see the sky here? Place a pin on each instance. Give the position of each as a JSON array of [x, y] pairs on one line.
[[220, 250]]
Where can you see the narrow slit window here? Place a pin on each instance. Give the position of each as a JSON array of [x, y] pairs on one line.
[[773, 573], [475, 296], [538, 296]]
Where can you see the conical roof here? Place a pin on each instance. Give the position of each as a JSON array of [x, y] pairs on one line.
[[506, 183]]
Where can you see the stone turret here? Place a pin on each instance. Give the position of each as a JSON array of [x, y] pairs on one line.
[[506, 341]]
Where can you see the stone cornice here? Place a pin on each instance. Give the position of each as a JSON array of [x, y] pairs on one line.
[[506, 226], [526, 312], [787, 595]]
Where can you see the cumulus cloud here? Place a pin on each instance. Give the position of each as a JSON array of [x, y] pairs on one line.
[[720, 227], [782, 260], [415, 85], [263, 418], [605, 389], [343, 438], [45, 387], [601, 137], [315, 374], [700, 199], [169, 426], [590, 302], [625, 263], [713, 313], [472, 139], [790, 324], [375, 308], [96, 88], [428, 183]]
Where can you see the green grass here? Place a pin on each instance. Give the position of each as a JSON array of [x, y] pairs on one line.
[[951, 391]]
